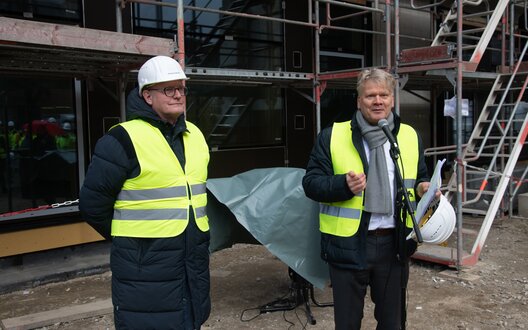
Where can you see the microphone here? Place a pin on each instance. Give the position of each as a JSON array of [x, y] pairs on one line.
[[384, 125]]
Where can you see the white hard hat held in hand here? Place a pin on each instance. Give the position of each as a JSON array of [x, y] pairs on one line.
[[438, 222], [159, 69]]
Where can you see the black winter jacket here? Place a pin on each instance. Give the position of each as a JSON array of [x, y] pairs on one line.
[[321, 185], [157, 283]]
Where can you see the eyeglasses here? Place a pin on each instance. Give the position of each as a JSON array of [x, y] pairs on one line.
[[171, 91]]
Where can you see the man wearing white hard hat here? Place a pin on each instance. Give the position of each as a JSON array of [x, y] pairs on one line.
[[145, 191]]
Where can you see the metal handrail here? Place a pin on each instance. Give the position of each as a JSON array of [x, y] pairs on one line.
[[434, 4]]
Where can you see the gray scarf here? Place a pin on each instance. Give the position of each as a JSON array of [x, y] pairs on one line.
[[377, 194]]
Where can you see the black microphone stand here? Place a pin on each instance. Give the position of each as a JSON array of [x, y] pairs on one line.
[[408, 209]]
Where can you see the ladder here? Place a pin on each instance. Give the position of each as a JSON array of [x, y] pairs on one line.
[[480, 22], [488, 162]]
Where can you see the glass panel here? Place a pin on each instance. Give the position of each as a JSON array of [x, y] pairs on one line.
[[38, 143], [335, 53], [220, 40], [337, 105], [237, 116], [64, 10]]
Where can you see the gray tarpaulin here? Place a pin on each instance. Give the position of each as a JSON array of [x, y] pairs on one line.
[[271, 205]]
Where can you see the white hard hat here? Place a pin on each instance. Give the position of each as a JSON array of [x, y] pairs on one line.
[[66, 126], [438, 222], [159, 69]]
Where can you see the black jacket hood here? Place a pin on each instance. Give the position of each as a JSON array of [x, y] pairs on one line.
[[137, 108]]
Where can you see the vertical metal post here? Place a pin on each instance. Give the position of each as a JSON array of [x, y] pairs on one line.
[[309, 11], [119, 17], [81, 170], [434, 95], [511, 61], [460, 164], [388, 34], [121, 82], [180, 55], [317, 86], [396, 53], [511, 57]]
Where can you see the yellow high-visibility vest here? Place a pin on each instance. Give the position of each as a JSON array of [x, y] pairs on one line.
[[157, 202], [343, 218]]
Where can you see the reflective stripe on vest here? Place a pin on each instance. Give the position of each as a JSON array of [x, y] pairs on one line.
[[343, 218], [156, 202]]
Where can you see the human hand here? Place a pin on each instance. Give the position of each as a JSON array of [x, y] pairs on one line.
[[356, 182], [423, 187]]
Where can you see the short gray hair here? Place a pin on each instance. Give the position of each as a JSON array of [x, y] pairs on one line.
[[379, 76]]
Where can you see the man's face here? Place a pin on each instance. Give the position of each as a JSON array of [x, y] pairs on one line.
[[169, 108], [375, 102]]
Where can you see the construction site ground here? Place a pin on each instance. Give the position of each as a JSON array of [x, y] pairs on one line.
[[491, 295]]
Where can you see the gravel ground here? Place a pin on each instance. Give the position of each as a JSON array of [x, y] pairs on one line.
[[491, 295]]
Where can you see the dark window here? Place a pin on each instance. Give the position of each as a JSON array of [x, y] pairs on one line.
[[343, 49], [337, 105], [46, 10], [240, 116], [38, 142], [220, 40]]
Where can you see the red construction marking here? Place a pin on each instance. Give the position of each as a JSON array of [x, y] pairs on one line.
[[477, 56], [483, 185], [43, 207], [340, 75], [423, 54], [472, 259], [523, 135]]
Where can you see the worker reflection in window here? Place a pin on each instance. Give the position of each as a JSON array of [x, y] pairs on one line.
[[67, 140], [3, 158], [38, 139], [15, 136]]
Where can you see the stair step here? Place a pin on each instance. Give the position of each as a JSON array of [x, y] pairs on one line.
[[502, 121], [484, 192], [465, 33], [468, 210], [516, 88], [495, 138], [504, 104]]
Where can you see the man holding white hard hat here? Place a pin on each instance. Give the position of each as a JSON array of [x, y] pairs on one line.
[[145, 191], [362, 217]]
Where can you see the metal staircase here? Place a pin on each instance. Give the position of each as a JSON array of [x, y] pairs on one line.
[[225, 122], [479, 24], [488, 162], [218, 34]]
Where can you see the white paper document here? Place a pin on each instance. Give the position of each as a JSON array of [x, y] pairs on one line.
[[429, 196]]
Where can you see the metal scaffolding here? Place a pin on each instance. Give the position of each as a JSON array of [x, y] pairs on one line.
[[451, 59]]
